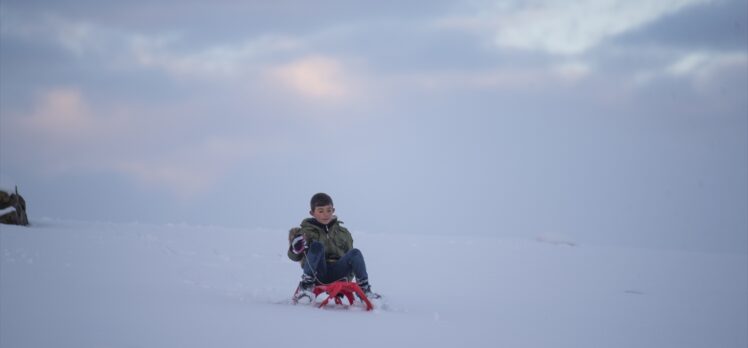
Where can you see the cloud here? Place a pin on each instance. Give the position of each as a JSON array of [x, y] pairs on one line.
[[704, 69], [79, 38], [181, 179], [169, 51], [572, 70], [562, 27], [217, 61], [701, 64], [316, 77], [190, 170], [277, 59], [196, 167], [61, 112], [65, 134], [115, 121], [515, 78], [718, 25]]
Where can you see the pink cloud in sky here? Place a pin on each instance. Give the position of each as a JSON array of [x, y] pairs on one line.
[[316, 77], [72, 136]]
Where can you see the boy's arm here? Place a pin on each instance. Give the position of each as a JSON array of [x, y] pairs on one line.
[[348, 239], [293, 233], [293, 256]]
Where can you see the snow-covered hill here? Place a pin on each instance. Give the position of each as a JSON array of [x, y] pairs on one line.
[[81, 284]]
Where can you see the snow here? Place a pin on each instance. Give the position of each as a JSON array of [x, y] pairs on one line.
[[7, 210], [92, 284]]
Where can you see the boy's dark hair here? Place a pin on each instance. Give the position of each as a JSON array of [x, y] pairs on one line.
[[320, 200]]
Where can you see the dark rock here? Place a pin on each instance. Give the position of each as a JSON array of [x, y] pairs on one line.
[[13, 209]]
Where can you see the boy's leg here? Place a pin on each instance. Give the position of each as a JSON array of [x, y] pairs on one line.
[[314, 267], [314, 263], [352, 261]]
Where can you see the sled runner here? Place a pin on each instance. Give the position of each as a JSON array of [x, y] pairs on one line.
[[337, 291]]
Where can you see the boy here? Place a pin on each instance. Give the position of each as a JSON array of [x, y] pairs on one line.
[[325, 249]]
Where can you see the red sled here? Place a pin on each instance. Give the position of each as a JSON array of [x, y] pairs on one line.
[[339, 289]]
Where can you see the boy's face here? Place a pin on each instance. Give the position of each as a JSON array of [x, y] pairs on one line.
[[323, 214]]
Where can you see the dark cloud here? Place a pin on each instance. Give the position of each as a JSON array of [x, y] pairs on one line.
[[227, 20], [721, 25]]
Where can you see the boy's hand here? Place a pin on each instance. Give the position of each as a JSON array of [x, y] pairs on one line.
[[298, 245]]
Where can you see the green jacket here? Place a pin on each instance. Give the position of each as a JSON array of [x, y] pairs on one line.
[[336, 239]]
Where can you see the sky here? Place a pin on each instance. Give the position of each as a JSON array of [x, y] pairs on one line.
[[603, 122]]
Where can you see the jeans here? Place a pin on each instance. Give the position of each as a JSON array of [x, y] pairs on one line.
[[352, 261]]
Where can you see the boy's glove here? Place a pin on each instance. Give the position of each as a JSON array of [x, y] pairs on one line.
[[298, 244]]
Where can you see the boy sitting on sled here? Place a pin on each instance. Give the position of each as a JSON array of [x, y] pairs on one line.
[[325, 249]]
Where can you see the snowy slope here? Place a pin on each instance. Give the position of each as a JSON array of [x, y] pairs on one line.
[[81, 284]]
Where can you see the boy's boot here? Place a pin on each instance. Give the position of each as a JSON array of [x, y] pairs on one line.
[[305, 291], [366, 288]]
